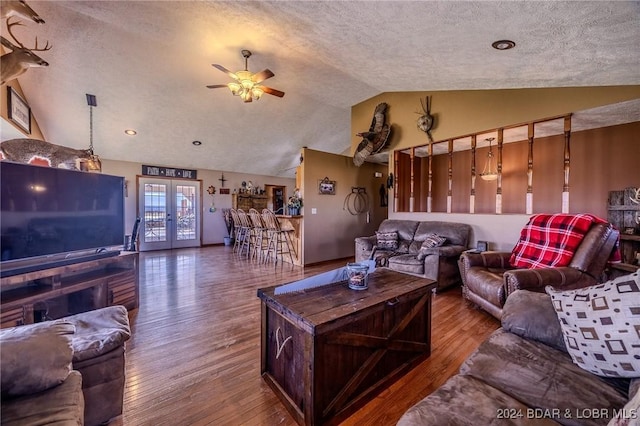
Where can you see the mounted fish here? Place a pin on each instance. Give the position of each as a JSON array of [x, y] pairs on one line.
[[376, 138], [426, 120], [35, 151]]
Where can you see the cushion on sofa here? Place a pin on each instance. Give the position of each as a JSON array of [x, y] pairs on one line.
[[387, 240], [542, 377], [406, 263], [431, 241], [601, 325], [61, 405], [465, 400], [99, 331], [531, 315], [33, 360]]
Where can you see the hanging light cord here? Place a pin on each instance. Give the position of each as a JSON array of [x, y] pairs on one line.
[[91, 129], [357, 201]]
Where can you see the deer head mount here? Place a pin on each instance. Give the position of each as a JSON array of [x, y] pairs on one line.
[[426, 120], [19, 8], [21, 58]]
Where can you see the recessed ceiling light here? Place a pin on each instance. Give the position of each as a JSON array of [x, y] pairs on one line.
[[503, 44], [197, 143], [130, 132]]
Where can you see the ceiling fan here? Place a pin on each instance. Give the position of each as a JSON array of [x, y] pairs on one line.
[[247, 85]]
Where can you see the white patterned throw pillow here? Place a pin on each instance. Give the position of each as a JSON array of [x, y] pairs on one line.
[[432, 241], [601, 325]]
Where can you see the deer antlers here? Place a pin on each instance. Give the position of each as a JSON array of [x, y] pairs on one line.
[[35, 49]]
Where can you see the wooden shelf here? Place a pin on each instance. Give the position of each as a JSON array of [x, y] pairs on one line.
[[100, 282]]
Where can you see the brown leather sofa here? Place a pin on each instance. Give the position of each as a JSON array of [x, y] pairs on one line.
[[439, 263], [488, 278], [69, 371], [523, 375]]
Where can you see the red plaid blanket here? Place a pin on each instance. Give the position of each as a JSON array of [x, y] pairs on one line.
[[551, 240]]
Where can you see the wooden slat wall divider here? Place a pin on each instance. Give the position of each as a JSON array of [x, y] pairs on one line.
[[396, 201], [406, 202], [412, 199], [472, 196], [567, 163], [450, 176], [529, 199], [430, 190], [499, 166]]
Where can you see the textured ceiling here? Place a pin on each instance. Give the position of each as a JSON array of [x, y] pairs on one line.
[[148, 63]]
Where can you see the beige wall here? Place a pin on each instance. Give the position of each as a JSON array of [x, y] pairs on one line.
[[459, 113], [330, 232], [4, 112], [213, 227]]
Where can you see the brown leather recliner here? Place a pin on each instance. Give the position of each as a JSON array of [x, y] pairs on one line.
[[488, 278]]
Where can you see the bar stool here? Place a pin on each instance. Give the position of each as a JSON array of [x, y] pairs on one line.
[[259, 238], [279, 242], [245, 222], [239, 230]]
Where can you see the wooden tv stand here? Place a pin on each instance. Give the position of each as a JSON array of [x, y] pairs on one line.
[[65, 290]]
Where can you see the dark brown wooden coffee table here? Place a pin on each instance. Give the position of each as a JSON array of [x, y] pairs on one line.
[[327, 351]]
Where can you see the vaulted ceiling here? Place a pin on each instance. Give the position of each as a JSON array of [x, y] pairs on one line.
[[148, 63]]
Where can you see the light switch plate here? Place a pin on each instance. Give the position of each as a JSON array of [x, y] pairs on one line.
[[314, 210]]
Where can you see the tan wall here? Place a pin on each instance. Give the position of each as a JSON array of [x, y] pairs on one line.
[[459, 113], [4, 111], [602, 160], [330, 233], [213, 226]]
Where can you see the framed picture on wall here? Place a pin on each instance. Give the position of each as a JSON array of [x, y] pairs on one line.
[[326, 186], [18, 110]]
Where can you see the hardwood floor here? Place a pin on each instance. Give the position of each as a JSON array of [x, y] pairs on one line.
[[194, 356]]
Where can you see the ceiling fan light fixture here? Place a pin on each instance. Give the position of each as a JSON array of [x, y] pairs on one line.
[[256, 93], [246, 95], [235, 88], [247, 85]]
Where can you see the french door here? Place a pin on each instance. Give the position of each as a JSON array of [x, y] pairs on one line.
[[170, 213]]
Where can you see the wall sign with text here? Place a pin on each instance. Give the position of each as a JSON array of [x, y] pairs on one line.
[[169, 172]]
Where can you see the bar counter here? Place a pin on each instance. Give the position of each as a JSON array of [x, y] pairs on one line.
[[293, 223]]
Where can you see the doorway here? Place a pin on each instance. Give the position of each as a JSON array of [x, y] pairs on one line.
[[277, 195], [170, 213]]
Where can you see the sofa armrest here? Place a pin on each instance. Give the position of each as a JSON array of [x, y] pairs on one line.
[[565, 278], [365, 243], [487, 259]]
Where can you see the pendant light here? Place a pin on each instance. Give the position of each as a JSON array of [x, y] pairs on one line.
[[93, 163], [489, 172]]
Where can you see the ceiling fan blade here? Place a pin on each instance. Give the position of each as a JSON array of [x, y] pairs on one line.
[[216, 86], [262, 76], [224, 70], [271, 91]]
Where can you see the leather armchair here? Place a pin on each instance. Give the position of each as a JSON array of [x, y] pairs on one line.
[[488, 278]]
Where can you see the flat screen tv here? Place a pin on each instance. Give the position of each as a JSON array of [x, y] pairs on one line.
[[53, 217]]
